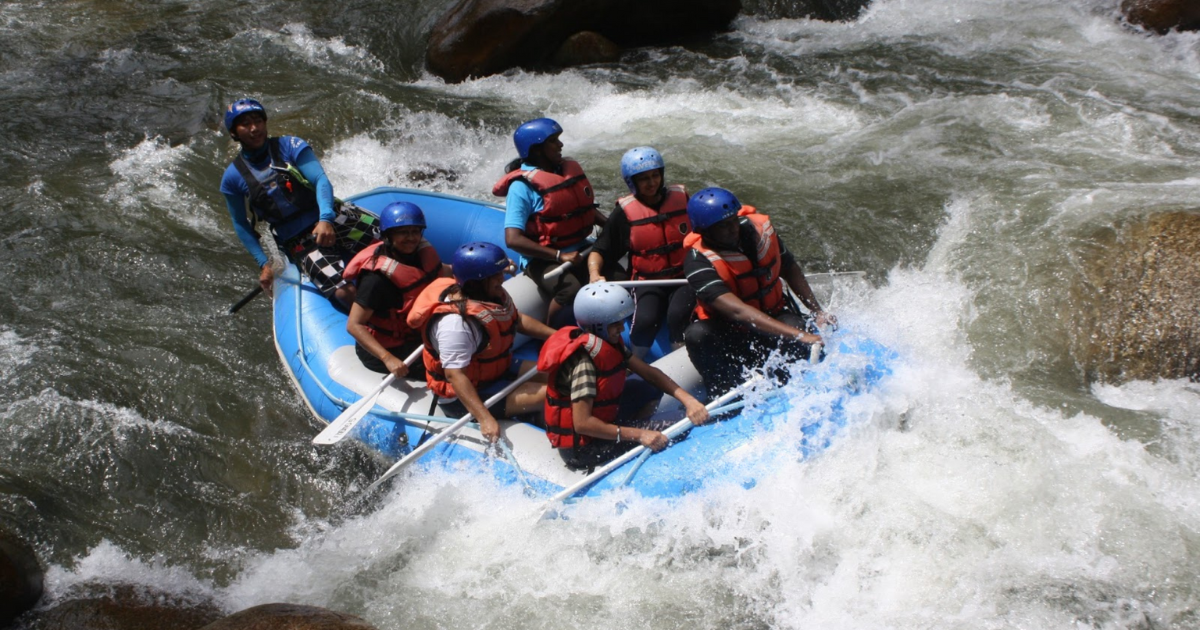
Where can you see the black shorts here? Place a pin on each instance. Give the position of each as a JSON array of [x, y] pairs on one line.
[[355, 229]]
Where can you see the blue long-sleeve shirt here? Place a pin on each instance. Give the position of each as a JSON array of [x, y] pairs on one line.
[[235, 190]]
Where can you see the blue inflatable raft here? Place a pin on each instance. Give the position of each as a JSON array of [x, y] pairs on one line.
[[319, 355]]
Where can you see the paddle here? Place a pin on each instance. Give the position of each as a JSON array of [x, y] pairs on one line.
[[561, 269], [646, 455], [672, 432], [835, 274], [681, 281], [348, 419], [651, 283], [448, 431], [245, 300]]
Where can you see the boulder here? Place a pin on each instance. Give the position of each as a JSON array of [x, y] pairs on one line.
[[289, 617], [1143, 292], [1163, 15], [477, 38], [20, 577], [123, 607], [827, 10], [584, 48]]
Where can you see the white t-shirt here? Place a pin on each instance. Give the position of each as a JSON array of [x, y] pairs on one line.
[[457, 340]]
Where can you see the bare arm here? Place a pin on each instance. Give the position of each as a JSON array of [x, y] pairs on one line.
[[656, 377], [470, 399], [734, 309], [356, 325], [794, 276], [531, 327], [595, 263], [591, 426], [516, 240]]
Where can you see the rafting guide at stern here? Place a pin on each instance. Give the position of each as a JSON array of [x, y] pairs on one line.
[[735, 265], [280, 180]]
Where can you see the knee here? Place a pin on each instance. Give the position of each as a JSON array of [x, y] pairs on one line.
[[346, 294], [698, 332]]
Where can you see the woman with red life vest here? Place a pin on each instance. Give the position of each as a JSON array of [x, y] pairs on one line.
[[468, 324], [550, 209], [649, 224], [390, 275], [593, 413], [736, 264]]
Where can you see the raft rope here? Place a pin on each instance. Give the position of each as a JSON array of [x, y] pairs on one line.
[[386, 413]]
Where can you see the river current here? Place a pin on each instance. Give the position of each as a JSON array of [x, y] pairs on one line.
[[968, 155]]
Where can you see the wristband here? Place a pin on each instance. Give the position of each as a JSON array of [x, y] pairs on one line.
[[618, 434], [558, 255]]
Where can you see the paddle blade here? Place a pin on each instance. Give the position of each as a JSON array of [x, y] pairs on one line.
[[348, 419], [343, 424]]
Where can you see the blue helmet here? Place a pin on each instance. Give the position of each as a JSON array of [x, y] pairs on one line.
[[711, 206], [533, 133], [401, 214], [639, 160], [602, 303], [478, 260], [242, 106]]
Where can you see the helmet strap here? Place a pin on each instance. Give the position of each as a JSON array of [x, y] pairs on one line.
[[538, 159], [474, 290]]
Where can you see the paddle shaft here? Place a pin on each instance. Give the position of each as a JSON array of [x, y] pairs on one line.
[[629, 284], [352, 415], [672, 432], [245, 300], [450, 430], [675, 282], [561, 269]]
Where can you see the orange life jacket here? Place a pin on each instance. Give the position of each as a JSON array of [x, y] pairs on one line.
[[610, 369], [494, 355], [754, 280], [568, 205], [656, 236], [390, 328]]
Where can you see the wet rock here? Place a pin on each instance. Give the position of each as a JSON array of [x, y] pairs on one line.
[[434, 174], [123, 607], [828, 10], [584, 48], [289, 617], [1163, 15], [1144, 292], [20, 577], [481, 37]]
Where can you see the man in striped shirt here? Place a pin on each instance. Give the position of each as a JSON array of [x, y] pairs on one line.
[[736, 265]]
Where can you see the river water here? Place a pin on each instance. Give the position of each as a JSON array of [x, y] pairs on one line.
[[967, 154]]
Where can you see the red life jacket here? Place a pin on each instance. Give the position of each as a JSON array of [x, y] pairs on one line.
[[755, 281], [494, 355], [610, 368], [390, 328], [656, 236], [568, 205]]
